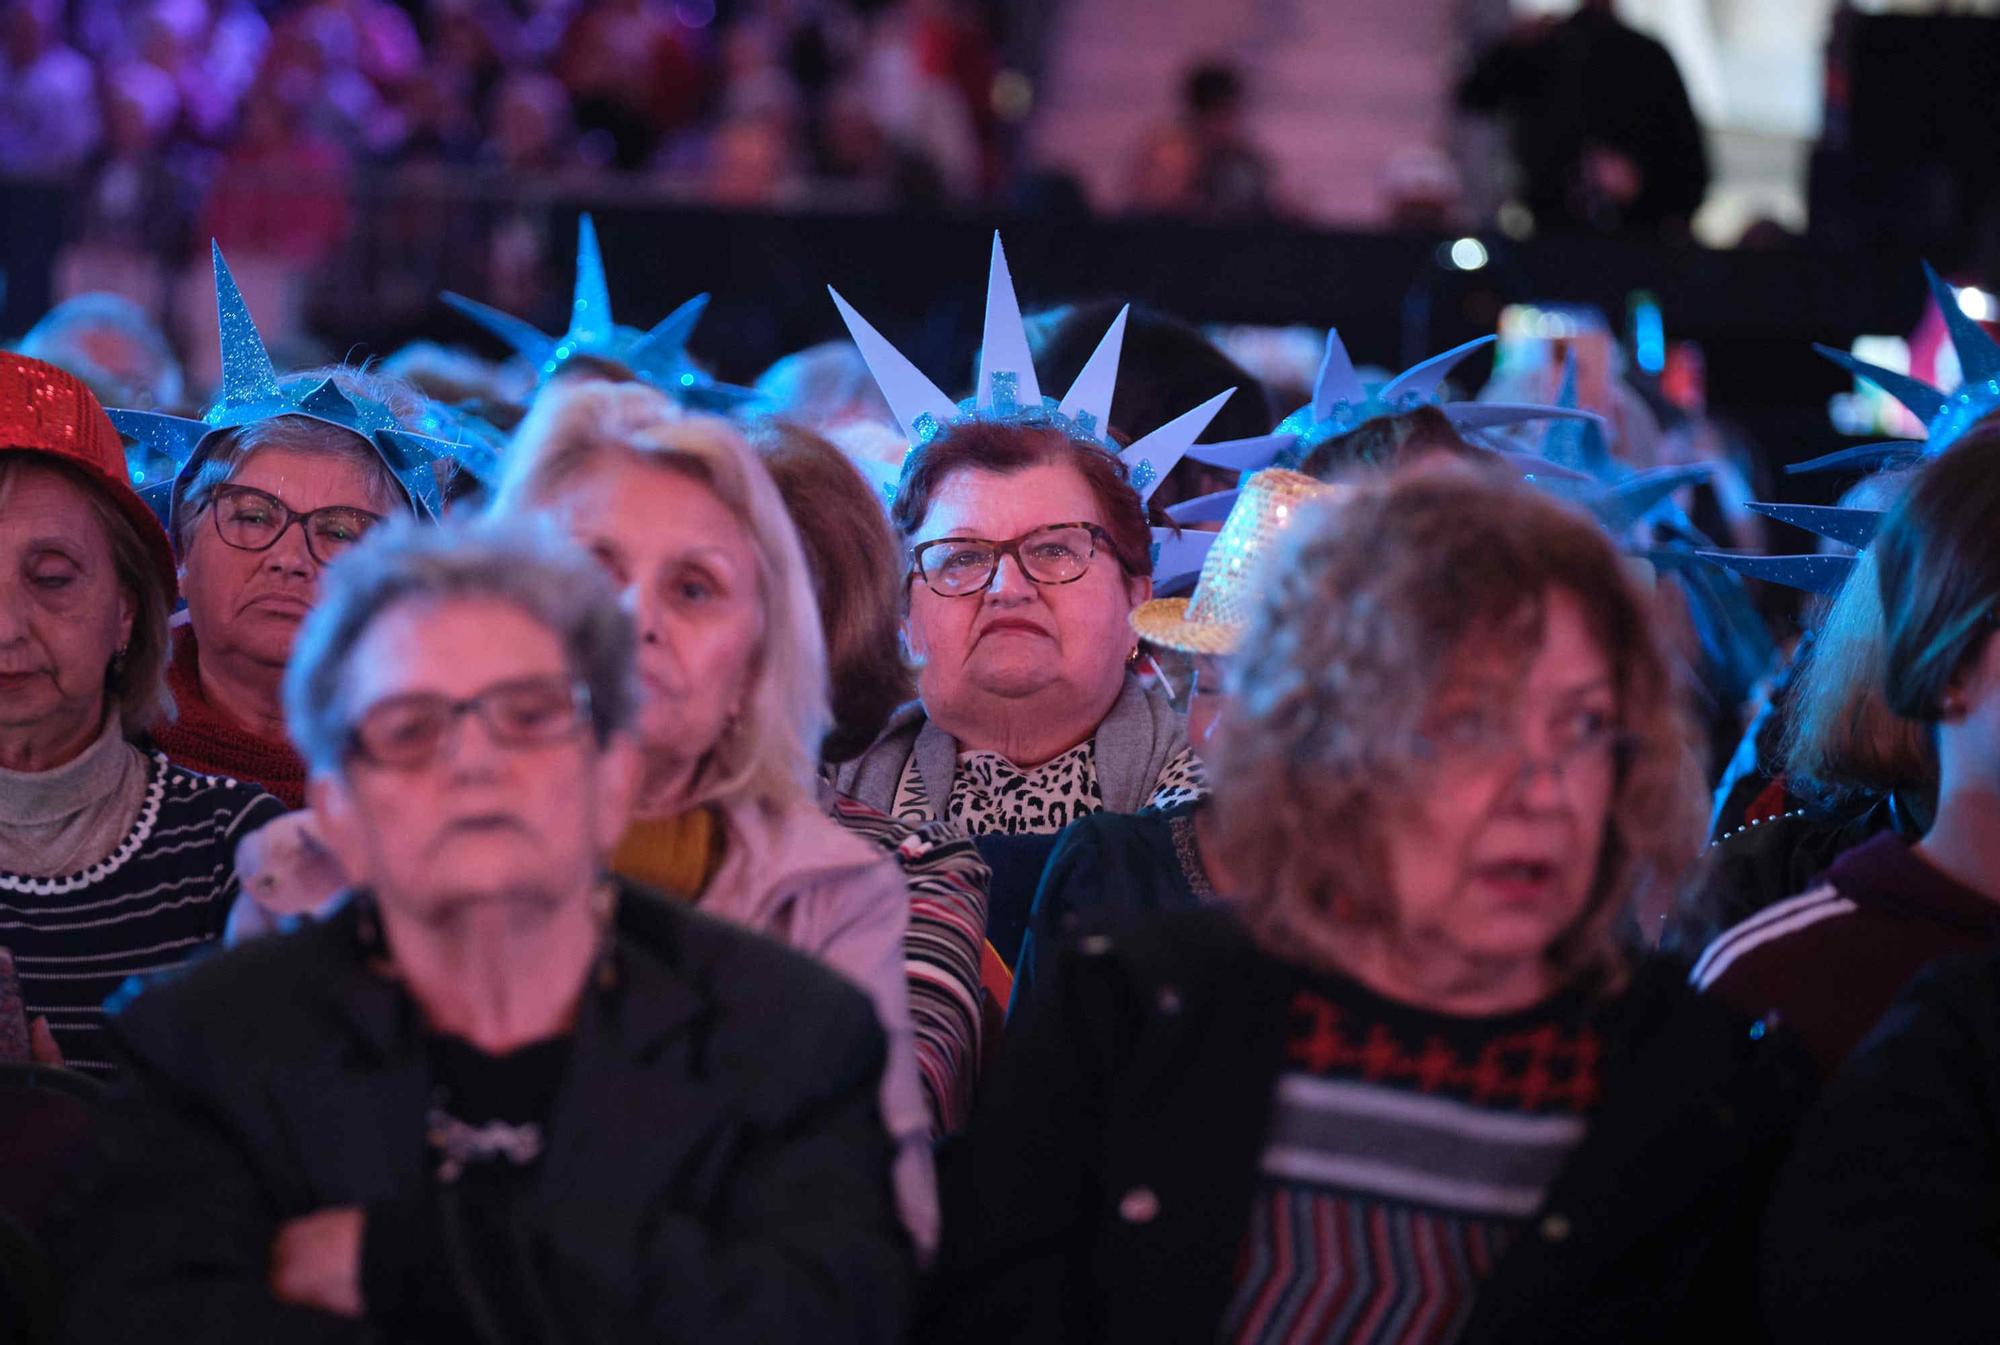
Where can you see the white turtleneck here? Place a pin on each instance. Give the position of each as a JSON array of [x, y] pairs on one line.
[[58, 822]]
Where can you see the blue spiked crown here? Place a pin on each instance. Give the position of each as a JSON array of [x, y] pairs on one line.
[[253, 391], [658, 356], [1946, 416]]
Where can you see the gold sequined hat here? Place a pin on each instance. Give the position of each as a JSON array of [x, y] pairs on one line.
[[1211, 619]]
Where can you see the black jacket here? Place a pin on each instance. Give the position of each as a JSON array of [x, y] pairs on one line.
[[1886, 1221], [1107, 1180], [716, 1168]]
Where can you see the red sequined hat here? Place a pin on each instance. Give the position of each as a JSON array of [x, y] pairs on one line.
[[44, 409]]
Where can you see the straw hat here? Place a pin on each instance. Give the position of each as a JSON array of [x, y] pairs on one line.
[[1210, 620]]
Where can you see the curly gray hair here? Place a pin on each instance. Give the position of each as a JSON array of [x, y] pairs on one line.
[[527, 563], [1370, 604]]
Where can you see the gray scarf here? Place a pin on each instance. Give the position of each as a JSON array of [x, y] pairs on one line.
[[1133, 744], [58, 822]]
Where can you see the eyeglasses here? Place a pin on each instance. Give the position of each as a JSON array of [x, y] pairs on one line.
[[252, 520], [1058, 553], [1486, 743], [410, 731]]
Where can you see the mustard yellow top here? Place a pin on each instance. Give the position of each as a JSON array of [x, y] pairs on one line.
[[675, 855]]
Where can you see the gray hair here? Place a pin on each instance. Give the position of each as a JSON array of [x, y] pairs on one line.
[[526, 563], [221, 455]]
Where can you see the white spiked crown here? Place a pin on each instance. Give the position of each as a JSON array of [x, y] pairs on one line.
[[1009, 393]]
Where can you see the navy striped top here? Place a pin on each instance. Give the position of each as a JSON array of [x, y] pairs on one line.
[[162, 895]]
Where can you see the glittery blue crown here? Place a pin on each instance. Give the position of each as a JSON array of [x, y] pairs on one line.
[[252, 391], [1341, 402], [1007, 390], [658, 357]]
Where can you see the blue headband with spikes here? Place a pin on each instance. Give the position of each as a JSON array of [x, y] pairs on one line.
[[1009, 393], [1946, 416], [253, 391], [1342, 402], [659, 356]]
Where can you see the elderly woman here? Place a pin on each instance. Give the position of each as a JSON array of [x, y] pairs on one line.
[[257, 515], [1407, 1083], [279, 478], [1028, 553], [857, 576], [1157, 859], [1831, 959], [732, 700], [88, 821], [574, 1117]]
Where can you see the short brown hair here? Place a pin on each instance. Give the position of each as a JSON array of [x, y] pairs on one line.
[[1938, 566], [857, 571], [1368, 606], [1386, 442], [999, 447], [137, 686]]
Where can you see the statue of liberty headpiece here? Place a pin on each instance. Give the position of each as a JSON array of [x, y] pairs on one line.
[[1946, 417], [1342, 401], [253, 391], [658, 357], [1008, 392]]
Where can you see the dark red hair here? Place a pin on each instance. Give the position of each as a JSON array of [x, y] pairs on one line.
[[998, 447]]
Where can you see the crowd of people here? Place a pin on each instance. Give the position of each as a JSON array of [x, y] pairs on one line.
[[1091, 860]]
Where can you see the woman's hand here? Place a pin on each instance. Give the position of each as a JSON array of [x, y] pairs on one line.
[[286, 869], [316, 1261]]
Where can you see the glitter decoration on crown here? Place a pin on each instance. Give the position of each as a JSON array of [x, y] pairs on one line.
[[253, 391], [658, 357], [1946, 416], [1008, 392]]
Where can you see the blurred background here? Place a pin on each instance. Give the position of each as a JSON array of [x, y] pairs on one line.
[[1702, 187]]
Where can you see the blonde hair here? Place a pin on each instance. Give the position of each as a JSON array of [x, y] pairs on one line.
[[770, 755], [1367, 606], [1842, 742]]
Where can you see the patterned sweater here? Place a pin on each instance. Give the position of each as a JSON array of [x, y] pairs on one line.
[[160, 897], [1406, 1150]]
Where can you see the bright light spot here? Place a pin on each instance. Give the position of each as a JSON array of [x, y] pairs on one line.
[[1977, 304], [1468, 254]]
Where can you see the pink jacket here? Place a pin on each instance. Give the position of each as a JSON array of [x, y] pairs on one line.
[[813, 885]]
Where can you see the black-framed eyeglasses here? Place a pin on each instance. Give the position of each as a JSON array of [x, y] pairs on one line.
[[253, 520], [410, 731], [1056, 553]]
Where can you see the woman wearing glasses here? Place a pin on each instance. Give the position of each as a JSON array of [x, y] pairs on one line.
[[1029, 551], [732, 702], [1408, 1083], [113, 862], [256, 514]]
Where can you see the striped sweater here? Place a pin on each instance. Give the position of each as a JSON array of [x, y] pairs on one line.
[[1406, 1150], [1828, 962], [941, 949], [161, 896]]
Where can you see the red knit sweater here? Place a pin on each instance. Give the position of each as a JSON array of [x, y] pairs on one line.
[[203, 738]]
